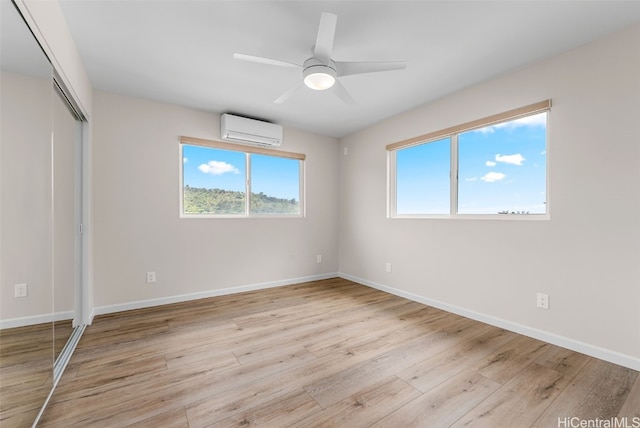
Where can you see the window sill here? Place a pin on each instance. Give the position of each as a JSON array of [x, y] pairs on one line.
[[506, 217]]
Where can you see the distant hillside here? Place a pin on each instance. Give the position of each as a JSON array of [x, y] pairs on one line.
[[219, 201]]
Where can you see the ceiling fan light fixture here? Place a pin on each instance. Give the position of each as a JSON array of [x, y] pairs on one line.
[[319, 81], [319, 77]]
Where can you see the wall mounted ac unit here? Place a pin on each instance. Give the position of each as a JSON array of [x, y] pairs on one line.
[[253, 132]]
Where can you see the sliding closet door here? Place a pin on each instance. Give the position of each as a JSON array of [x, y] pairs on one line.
[[66, 220], [26, 265]]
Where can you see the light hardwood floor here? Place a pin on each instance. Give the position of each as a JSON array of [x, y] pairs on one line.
[[27, 356], [26, 373], [321, 354]]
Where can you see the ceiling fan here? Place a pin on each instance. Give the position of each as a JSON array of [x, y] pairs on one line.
[[320, 72]]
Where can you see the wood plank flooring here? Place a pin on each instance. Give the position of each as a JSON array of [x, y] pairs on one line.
[[27, 356], [26, 373], [328, 353]]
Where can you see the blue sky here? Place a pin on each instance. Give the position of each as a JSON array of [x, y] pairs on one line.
[[500, 167], [275, 176], [422, 176], [226, 169]]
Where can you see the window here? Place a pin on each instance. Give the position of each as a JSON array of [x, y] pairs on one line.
[[499, 167], [228, 180], [422, 178]]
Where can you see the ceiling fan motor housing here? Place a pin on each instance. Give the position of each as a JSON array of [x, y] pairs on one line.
[[319, 75]]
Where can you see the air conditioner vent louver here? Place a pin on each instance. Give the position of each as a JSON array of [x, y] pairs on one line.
[[243, 130]]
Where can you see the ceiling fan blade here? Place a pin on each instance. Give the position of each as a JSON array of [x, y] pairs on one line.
[[343, 94], [262, 60], [284, 97], [349, 68], [324, 41]]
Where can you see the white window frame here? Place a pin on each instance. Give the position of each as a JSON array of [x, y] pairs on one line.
[[248, 151], [453, 132]]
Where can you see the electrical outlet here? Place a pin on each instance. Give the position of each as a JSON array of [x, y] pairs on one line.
[[151, 277], [388, 267], [542, 301], [346, 151], [319, 258], [20, 290]]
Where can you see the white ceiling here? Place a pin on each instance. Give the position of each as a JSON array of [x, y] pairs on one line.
[[181, 51]]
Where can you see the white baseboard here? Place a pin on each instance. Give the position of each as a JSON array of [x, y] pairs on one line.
[[35, 319], [565, 342], [102, 310]]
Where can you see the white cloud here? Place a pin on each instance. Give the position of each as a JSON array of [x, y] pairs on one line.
[[218, 168], [471, 179], [185, 160], [544, 152], [516, 159], [535, 120], [490, 163], [491, 177], [486, 129]]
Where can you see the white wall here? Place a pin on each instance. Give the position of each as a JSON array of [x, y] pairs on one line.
[[136, 213], [25, 186], [38, 226], [587, 257], [66, 218]]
